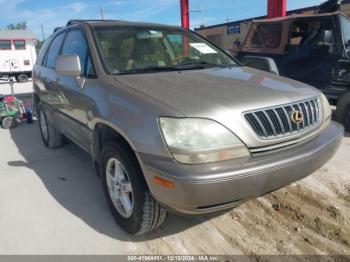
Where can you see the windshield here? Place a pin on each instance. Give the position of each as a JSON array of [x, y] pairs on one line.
[[136, 50]]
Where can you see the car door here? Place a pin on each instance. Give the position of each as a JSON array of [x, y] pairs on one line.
[[46, 80], [312, 53], [78, 105]]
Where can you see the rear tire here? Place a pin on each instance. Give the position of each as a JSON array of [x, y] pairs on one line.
[[343, 111], [22, 78], [50, 136], [146, 214], [9, 122]]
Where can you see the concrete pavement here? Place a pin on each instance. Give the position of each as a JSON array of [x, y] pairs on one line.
[[19, 88]]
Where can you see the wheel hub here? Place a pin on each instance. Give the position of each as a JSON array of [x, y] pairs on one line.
[[119, 187]]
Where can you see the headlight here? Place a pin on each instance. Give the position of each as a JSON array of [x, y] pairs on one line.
[[327, 111], [195, 141]]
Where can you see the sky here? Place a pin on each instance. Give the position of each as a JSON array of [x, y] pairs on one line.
[[51, 13]]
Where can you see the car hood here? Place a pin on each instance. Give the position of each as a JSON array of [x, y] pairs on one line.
[[208, 93]]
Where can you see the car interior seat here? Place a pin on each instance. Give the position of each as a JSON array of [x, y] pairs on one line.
[[144, 55]]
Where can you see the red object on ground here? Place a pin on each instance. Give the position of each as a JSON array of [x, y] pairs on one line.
[[9, 99], [276, 8], [185, 14], [23, 116]]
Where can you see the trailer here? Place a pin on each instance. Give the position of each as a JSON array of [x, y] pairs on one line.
[[17, 54]]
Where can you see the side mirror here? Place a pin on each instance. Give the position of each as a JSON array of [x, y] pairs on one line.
[[68, 65], [262, 63]]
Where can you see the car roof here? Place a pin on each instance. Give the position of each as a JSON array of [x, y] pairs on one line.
[[110, 23], [121, 23], [295, 16], [283, 35]]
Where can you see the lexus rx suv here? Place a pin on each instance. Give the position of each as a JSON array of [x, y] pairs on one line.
[[172, 122]]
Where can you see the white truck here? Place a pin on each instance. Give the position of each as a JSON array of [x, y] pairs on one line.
[[17, 54]]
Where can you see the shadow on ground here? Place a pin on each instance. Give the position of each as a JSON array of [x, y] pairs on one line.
[[68, 175]]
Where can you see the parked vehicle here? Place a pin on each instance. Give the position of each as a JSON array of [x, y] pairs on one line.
[[18, 54], [313, 48], [172, 122]]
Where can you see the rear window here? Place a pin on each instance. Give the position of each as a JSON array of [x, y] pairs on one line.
[[267, 36], [5, 44], [19, 44]]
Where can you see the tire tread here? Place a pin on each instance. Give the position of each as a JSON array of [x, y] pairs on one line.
[[55, 138], [342, 106], [153, 215]]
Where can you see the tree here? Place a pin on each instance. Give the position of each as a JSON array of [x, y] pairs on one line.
[[38, 46], [18, 26]]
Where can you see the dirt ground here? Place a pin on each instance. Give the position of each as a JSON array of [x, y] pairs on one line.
[[309, 217]]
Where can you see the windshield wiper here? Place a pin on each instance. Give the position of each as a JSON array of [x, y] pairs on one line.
[[148, 69], [185, 66], [201, 65]]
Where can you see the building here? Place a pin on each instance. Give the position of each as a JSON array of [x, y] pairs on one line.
[[18, 54], [226, 34]]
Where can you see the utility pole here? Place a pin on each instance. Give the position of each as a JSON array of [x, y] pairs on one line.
[[276, 8], [200, 11], [42, 32], [185, 14], [101, 11]]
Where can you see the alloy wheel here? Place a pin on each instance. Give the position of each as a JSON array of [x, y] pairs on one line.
[[119, 187]]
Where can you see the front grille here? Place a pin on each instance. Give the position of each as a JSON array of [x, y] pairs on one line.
[[276, 121]]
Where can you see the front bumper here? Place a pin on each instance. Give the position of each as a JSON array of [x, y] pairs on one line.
[[207, 188]]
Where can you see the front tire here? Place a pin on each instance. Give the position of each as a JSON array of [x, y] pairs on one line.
[[343, 111], [50, 136], [128, 196], [9, 122]]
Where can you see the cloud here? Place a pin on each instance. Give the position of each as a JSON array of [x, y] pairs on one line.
[[50, 18], [9, 7], [77, 7], [144, 8]]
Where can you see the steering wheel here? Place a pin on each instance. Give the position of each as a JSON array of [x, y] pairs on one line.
[[181, 59]]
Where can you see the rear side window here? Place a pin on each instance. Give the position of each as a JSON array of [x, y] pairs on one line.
[[54, 51], [5, 44], [42, 53], [19, 44], [75, 44], [312, 32], [267, 36]]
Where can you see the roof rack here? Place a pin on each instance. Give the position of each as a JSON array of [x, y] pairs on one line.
[[57, 28], [85, 21], [75, 21]]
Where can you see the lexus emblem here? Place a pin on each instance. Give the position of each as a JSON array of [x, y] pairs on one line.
[[297, 117]]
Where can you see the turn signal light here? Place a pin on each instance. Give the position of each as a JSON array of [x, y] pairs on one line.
[[162, 182]]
